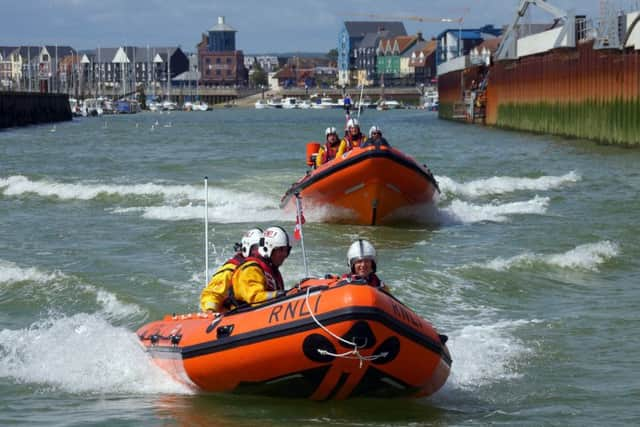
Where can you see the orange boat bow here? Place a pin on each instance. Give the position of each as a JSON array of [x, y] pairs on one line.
[[327, 340], [368, 186]]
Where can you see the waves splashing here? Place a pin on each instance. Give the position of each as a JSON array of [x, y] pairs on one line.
[[178, 202], [81, 354], [464, 212], [584, 257], [504, 184], [62, 287]]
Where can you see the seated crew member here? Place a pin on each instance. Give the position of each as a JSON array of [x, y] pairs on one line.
[[375, 138], [331, 149], [353, 137], [215, 293], [361, 259], [258, 278]]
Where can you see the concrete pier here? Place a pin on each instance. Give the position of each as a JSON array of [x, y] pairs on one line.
[[24, 108]]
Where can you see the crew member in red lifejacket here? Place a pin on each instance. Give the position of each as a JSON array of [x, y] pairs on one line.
[[258, 278], [214, 295], [331, 149], [361, 259], [353, 137]]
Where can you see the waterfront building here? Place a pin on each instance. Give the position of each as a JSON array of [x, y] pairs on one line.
[[219, 62], [10, 65], [31, 68], [457, 42], [389, 60], [422, 59], [351, 38], [365, 57], [268, 63], [120, 71]]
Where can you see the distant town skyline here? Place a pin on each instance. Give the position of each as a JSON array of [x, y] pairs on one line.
[[262, 27]]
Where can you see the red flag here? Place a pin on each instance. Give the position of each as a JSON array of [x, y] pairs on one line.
[[297, 232]]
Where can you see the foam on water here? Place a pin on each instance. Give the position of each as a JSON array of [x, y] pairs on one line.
[[81, 354], [464, 212], [18, 185], [182, 202], [505, 184], [60, 285], [486, 353], [12, 273], [242, 210], [584, 257]]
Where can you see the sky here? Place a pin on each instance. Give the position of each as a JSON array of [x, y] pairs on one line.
[[263, 26]]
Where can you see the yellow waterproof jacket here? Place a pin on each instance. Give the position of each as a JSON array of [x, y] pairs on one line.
[[320, 157], [215, 293], [347, 144], [255, 281]]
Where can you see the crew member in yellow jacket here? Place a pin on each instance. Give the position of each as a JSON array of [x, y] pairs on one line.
[[332, 148], [258, 278], [214, 296], [353, 137]]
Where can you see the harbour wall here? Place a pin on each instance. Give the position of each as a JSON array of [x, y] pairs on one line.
[[576, 92], [23, 108]]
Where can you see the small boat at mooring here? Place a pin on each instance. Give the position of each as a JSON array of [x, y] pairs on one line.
[[326, 339], [368, 186]]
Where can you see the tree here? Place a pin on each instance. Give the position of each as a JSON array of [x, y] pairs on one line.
[[333, 55], [258, 76]]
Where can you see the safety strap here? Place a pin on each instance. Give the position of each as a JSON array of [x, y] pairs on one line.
[[352, 354]]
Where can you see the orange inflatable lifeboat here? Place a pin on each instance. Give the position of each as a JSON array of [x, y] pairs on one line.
[[366, 186], [326, 339]]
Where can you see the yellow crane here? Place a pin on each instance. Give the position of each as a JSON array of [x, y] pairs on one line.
[[412, 17]]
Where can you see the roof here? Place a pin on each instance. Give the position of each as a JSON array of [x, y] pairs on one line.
[[357, 29], [404, 42], [5, 51], [140, 54], [466, 34], [491, 44], [60, 51], [221, 26], [187, 76], [372, 39], [426, 47]]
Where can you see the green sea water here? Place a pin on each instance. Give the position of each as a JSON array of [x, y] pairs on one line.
[[529, 263]]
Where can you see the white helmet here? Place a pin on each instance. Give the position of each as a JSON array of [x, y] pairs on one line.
[[361, 249], [273, 237], [250, 238], [330, 130], [353, 123], [373, 129]]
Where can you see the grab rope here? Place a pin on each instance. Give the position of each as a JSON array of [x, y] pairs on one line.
[[351, 354]]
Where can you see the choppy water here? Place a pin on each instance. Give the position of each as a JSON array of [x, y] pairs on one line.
[[529, 264]]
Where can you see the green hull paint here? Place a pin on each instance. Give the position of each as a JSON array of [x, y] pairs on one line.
[[613, 122]]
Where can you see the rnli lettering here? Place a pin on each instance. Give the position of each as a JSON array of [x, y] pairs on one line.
[[405, 314], [291, 310]]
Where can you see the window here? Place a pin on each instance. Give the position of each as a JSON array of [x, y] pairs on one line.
[[217, 72], [217, 60], [228, 60]]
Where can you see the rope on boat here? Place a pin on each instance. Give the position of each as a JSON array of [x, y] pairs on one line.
[[351, 354]]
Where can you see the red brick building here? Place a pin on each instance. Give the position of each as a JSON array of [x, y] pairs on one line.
[[219, 62]]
